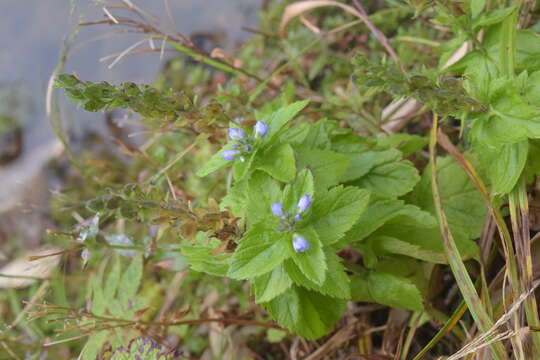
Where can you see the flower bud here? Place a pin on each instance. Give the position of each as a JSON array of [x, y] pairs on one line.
[[247, 148], [300, 244], [277, 209], [230, 154], [304, 203], [261, 128], [236, 134], [297, 217]]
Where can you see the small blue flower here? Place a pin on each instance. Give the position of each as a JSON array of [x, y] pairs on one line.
[[247, 148], [261, 128], [277, 209], [236, 134], [300, 244], [230, 154], [304, 203], [297, 217]]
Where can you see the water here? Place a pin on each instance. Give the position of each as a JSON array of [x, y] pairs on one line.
[[33, 33]]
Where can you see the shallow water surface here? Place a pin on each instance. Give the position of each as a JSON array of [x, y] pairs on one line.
[[33, 33]]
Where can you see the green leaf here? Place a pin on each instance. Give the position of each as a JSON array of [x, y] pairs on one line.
[[292, 193], [390, 180], [428, 239], [312, 262], [327, 166], [271, 284], [386, 289], [532, 88], [307, 313], [262, 192], [334, 212], [216, 162], [259, 252], [383, 245], [476, 7], [130, 281], [113, 279], [363, 162], [318, 135], [278, 119], [93, 346], [237, 198], [504, 164], [493, 17], [278, 162], [377, 214], [99, 303], [336, 283], [200, 256], [406, 143], [462, 202]]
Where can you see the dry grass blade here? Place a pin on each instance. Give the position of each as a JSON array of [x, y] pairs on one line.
[[493, 333], [464, 282], [299, 8], [343, 335]]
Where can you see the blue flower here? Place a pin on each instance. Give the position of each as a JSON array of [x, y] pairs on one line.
[[300, 244], [297, 217], [236, 134], [261, 128], [247, 148], [304, 203], [230, 154], [277, 209]]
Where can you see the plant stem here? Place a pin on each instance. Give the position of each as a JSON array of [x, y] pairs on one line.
[[464, 282]]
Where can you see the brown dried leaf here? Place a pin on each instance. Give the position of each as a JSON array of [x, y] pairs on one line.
[[298, 8], [23, 272]]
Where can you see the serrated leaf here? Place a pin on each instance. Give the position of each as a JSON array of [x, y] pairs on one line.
[[476, 7], [236, 198], [387, 289], [278, 119], [271, 284], [278, 162], [99, 303], [201, 258], [93, 345], [318, 135], [493, 17], [390, 180], [312, 262], [216, 162], [504, 164], [327, 166], [335, 212], [113, 279], [259, 252], [406, 143], [462, 202], [336, 283], [262, 192], [383, 245], [307, 313], [363, 162], [303, 184], [131, 280]]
